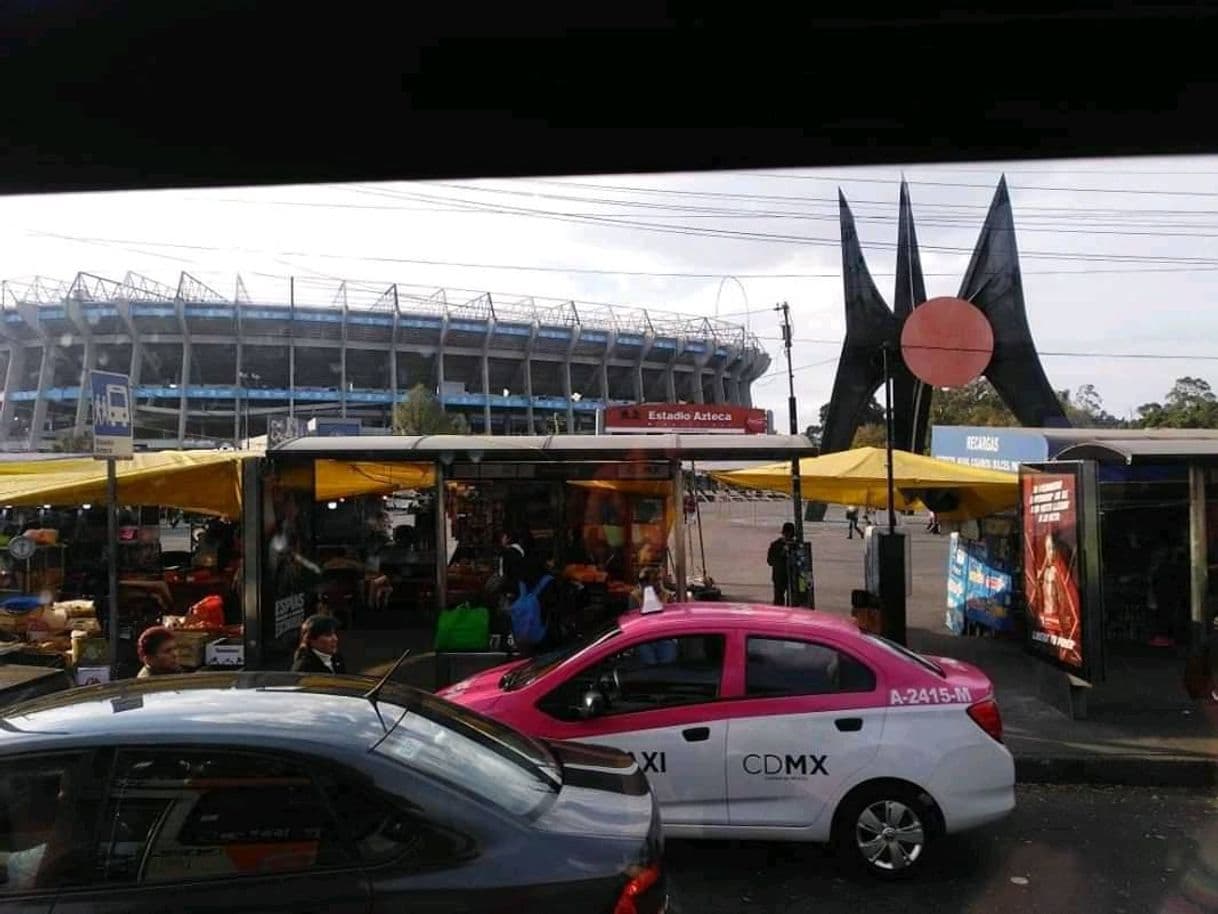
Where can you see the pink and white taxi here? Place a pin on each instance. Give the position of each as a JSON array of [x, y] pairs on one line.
[[774, 723]]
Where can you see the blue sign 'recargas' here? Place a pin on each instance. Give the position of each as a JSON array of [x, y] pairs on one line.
[[988, 448]]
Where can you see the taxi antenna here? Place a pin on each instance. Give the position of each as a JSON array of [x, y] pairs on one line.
[[375, 691]]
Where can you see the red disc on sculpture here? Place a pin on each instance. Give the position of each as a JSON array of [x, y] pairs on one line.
[[947, 342]]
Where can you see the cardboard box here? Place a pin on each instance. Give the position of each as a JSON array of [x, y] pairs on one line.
[[89, 651], [192, 647], [92, 675], [226, 652]]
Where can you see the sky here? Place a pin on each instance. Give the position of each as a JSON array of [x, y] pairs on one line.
[[1119, 258]]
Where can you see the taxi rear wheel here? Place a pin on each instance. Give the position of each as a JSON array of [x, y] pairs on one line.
[[887, 830]]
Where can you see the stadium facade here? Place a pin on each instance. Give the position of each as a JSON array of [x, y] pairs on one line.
[[208, 369]]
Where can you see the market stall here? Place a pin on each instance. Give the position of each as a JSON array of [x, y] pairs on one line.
[[594, 511], [860, 477]]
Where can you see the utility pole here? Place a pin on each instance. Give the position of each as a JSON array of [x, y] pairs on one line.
[[891, 545], [800, 591]]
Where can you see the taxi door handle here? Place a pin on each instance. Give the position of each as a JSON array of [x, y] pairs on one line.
[[696, 734], [849, 724]]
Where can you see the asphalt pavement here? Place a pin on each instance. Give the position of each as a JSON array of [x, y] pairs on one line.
[[1120, 850]]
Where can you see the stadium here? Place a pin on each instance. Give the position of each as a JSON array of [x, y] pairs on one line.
[[208, 369]]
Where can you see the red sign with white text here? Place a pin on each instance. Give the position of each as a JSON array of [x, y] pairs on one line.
[[1051, 566], [705, 418]]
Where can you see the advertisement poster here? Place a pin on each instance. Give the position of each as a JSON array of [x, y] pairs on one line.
[[289, 573], [957, 575], [979, 587], [1051, 568], [987, 589]]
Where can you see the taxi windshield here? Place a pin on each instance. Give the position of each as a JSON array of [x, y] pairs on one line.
[[538, 666]]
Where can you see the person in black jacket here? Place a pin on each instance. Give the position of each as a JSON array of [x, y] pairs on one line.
[[778, 558], [318, 650]]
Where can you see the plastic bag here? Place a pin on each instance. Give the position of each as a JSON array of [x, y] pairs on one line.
[[463, 628], [206, 615]]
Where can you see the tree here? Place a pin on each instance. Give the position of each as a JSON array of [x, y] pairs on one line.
[[1190, 403], [1085, 408], [872, 434], [976, 403], [420, 413]]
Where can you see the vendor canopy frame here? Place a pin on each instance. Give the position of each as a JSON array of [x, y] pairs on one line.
[[537, 448], [460, 453], [859, 477]]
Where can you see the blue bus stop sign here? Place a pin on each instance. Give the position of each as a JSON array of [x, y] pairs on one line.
[[113, 413]]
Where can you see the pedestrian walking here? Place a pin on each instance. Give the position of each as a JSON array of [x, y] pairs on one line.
[[852, 520], [778, 557], [932, 523]]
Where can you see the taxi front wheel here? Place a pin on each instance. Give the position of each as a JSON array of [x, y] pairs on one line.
[[886, 830]]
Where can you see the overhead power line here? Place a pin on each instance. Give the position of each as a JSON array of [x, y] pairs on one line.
[[139, 246], [841, 179]]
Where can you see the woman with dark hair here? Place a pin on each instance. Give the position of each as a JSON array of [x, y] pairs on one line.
[[318, 650]]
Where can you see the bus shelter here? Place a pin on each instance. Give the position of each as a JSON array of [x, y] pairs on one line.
[[601, 507]]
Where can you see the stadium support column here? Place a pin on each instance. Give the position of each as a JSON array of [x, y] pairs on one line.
[[82, 395], [12, 383], [440, 359], [29, 314], [610, 349], [640, 389], [568, 387], [699, 396], [136, 366], [239, 383], [486, 374], [45, 370], [721, 380], [746, 374], [292, 343], [528, 375], [184, 384], [393, 352], [87, 364], [342, 394], [670, 373]]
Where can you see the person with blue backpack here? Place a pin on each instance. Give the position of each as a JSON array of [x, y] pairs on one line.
[[533, 610]]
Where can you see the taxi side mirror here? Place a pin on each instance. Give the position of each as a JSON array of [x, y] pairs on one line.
[[591, 704]]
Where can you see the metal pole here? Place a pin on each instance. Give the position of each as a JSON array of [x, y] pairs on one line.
[[794, 598], [112, 557], [693, 471], [441, 535], [678, 486], [1198, 561], [892, 509]]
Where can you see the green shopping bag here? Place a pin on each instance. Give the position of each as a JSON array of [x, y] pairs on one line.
[[463, 628]]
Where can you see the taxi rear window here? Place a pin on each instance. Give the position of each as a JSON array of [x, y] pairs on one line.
[[906, 654]]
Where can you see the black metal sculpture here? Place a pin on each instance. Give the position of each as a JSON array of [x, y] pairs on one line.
[[992, 282]]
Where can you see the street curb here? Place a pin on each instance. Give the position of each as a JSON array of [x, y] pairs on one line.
[[1126, 771]]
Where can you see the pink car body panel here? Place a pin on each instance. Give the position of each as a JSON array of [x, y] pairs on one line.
[[932, 715]]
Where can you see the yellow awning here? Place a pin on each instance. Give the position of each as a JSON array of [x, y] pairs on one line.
[[627, 486], [207, 482], [348, 478], [859, 477]]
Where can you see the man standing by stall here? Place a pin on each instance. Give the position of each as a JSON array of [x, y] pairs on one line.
[[779, 559]]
